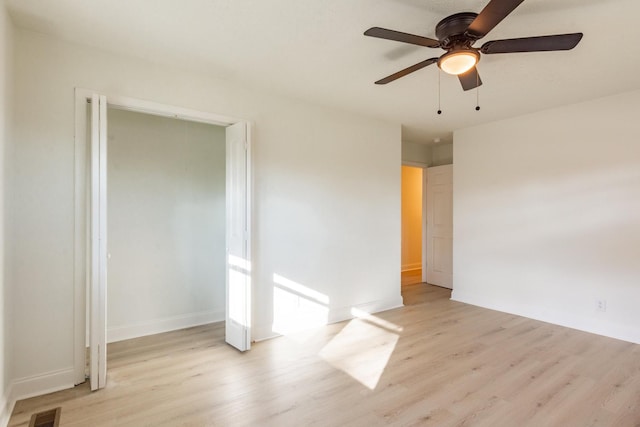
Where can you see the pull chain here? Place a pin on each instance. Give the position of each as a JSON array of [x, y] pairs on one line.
[[439, 109], [477, 91]]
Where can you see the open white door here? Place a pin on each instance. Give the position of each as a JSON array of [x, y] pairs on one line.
[[440, 226], [98, 367], [238, 313]]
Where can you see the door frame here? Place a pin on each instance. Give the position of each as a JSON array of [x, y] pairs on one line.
[[82, 207], [424, 168]]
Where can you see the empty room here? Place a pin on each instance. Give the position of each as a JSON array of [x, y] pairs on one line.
[[322, 213]]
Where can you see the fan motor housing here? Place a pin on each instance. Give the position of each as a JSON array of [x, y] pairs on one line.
[[451, 31]]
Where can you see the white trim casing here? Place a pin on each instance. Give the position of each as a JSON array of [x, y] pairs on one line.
[[165, 110], [81, 233], [94, 248], [249, 226]]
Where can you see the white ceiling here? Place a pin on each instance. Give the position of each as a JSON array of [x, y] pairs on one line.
[[315, 50]]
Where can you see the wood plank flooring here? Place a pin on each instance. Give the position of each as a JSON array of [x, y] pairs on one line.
[[434, 362]]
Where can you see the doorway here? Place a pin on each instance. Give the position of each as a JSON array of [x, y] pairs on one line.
[[91, 244], [165, 224], [427, 225]]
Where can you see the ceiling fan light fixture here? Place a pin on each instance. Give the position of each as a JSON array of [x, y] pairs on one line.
[[458, 62]]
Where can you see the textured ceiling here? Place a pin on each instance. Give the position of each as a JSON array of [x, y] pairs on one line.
[[315, 50]]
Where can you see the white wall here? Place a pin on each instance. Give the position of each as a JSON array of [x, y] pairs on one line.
[[547, 215], [441, 154], [325, 216], [166, 222], [6, 71]]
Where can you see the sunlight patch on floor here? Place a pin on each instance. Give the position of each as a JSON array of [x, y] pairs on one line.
[[362, 349], [360, 314]]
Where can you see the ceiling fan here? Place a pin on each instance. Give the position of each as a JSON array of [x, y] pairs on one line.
[[457, 34]]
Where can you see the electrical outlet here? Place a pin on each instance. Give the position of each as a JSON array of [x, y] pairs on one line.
[[601, 305]]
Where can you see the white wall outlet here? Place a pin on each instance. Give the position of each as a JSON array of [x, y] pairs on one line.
[[601, 305]]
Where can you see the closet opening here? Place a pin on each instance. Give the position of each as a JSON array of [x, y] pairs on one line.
[[162, 226]]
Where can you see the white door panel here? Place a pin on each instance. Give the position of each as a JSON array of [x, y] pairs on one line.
[[98, 287], [238, 313], [440, 226]]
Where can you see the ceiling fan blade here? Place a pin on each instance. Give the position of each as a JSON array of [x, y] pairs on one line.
[[470, 79], [406, 71], [491, 15], [533, 44], [383, 33]]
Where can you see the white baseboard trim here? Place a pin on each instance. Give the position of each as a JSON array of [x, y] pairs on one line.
[[37, 385], [6, 409], [597, 326], [339, 314], [266, 335], [345, 313], [411, 267], [158, 326]]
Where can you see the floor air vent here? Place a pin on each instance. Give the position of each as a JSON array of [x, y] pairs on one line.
[[50, 418]]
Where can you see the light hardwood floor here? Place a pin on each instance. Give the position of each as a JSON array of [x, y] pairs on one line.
[[434, 362]]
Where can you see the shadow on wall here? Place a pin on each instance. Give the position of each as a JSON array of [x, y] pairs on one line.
[[429, 155]]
